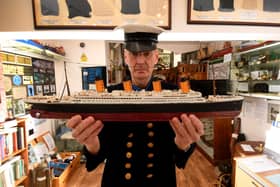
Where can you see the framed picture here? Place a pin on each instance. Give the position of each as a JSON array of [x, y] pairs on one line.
[[98, 14], [18, 107], [165, 60], [30, 90], [39, 89], [273, 109], [233, 12], [46, 89]]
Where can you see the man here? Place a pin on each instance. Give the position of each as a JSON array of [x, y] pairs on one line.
[[138, 154]]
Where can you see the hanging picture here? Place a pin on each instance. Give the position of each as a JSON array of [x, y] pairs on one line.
[[98, 14], [30, 90], [18, 107], [39, 89], [44, 76], [234, 12]]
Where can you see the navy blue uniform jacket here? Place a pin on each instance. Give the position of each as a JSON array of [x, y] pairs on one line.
[[138, 154]]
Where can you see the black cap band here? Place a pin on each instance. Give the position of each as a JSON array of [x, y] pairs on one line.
[[141, 36], [141, 41]]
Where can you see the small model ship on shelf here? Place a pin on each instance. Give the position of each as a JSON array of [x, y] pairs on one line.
[[128, 105]]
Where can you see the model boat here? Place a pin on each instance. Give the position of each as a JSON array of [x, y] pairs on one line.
[[135, 105]]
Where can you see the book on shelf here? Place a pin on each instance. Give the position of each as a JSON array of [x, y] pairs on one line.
[[11, 140], [6, 141], [11, 171], [20, 138]]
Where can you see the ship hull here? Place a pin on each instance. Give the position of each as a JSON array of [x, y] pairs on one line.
[[136, 112]]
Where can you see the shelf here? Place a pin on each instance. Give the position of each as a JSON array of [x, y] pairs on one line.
[[217, 60], [21, 180], [257, 50], [276, 82], [29, 48], [265, 65], [12, 155], [272, 96]]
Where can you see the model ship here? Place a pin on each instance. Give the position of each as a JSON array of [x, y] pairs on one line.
[[122, 105]]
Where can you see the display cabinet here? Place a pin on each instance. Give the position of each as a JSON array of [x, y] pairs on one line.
[[259, 68], [244, 179], [215, 143], [256, 171]]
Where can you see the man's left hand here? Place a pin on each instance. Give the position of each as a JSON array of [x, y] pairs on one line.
[[187, 130]]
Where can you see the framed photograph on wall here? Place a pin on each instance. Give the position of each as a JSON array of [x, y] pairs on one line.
[[98, 14], [273, 109], [39, 89], [233, 12], [165, 60], [18, 107]]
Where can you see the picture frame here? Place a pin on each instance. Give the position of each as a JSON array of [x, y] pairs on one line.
[[39, 90], [273, 109], [96, 14], [233, 12], [18, 107], [165, 60]]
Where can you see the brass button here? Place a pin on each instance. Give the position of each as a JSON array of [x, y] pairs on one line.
[[150, 125], [129, 144], [150, 165], [130, 135], [127, 176], [128, 155], [150, 155], [149, 175], [151, 133], [127, 165], [150, 144]]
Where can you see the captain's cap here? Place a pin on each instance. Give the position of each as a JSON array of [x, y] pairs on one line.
[[139, 38]]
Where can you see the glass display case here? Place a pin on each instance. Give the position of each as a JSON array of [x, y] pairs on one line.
[[259, 69]]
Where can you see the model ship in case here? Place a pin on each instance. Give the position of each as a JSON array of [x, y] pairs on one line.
[[123, 105]]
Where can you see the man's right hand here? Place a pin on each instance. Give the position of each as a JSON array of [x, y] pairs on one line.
[[86, 131]]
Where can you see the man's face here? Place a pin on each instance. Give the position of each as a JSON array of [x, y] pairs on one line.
[[141, 64]]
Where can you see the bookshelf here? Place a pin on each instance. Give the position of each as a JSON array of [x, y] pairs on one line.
[[13, 153]]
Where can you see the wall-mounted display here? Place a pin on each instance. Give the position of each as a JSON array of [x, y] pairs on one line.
[[44, 77], [18, 77], [96, 14], [234, 12]]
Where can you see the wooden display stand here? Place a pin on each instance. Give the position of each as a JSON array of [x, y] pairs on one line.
[[64, 176], [62, 179], [192, 71]]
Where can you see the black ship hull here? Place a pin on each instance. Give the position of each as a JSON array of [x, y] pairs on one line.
[[136, 112]]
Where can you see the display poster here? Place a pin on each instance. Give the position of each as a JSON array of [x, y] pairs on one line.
[[100, 14], [44, 77]]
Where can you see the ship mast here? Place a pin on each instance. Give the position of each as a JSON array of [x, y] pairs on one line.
[[66, 84], [214, 80]]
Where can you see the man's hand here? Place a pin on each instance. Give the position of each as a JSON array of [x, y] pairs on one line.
[[187, 130], [86, 132]]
